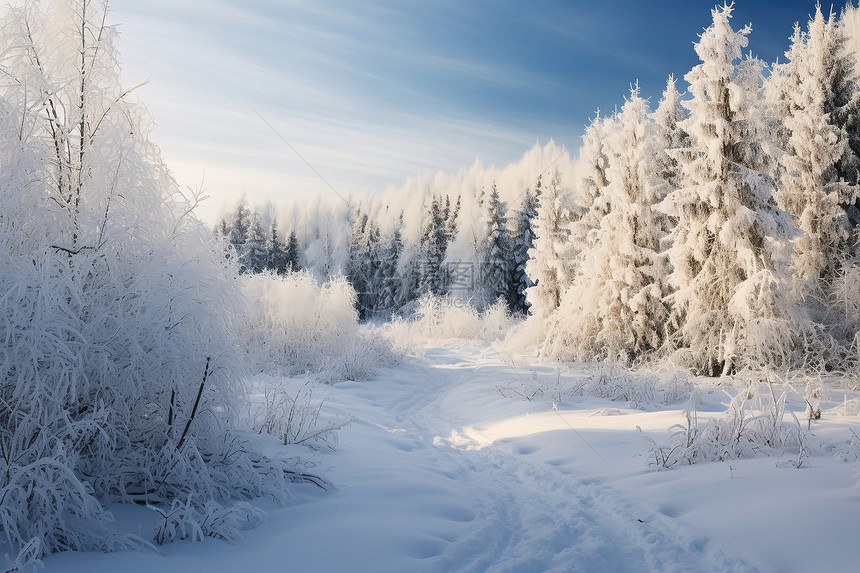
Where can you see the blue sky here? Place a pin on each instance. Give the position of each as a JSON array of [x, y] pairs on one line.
[[372, 92]]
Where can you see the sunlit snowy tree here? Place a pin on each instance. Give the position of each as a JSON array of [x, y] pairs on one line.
[[548, 267], [565, 328], [619, 287], [816, 92], [669, 135], [391, 286], [727, 257], [292, 252]]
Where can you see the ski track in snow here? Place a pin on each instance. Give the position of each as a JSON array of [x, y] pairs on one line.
[[527, 515]]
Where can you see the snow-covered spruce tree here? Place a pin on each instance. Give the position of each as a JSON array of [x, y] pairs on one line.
[[452, 217], [591, 208], [369, 265], [292, 252], [119, 375], [438, 230], [729, 266], [326, 254], [235, 228], [522, 238], [669, 137], [362, 261], [619, 288], [669, 134], [222, 229], [563, 329], [254, 256], [276, 252], [239, 227], [495, 253], [815, 91], [389, 281], [547, 266]]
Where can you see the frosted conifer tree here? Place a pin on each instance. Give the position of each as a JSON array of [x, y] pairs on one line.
[[729, 269], [523, 242], [439, 227], [254, 255], [816, 92], [564, 330], [592, 207], [364, 263], [619, 288], [327, 252], [291, 253], [434, 245], [391, 287], [547, 267], [495, 252], [240, 225], [276, 254], [669, 135]]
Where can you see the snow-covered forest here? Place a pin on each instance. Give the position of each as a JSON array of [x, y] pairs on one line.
[[479, 371], [715, 228]]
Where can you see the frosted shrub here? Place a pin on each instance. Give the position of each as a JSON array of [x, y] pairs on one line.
[[294, 325], [294, 417], [119, 374], [846, 298], [849, 450], [437, 318], [611, 381], [187, 520], [753, 425]]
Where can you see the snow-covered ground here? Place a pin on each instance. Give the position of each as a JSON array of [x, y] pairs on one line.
[[447, 468]]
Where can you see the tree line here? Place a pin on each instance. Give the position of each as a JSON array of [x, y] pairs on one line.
[[719, 228]]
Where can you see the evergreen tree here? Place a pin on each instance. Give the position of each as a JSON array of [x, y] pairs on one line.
[[495, 254], [254, 255], [728, 273], [291, 253], [390, 281], [816, 90], [619, 289], [276, 254], [547, 267], [240, 226], [594, 156], [564, 334], [439, 228], [327, 252], [363, 262], [669, 135], [523, 242], [451, 218], [222, 228]]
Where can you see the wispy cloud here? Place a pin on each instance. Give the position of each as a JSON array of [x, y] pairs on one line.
[[373, 92]]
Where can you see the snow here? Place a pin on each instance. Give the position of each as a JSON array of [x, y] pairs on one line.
[[447, 468]]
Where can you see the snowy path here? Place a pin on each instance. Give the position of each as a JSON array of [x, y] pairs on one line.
[[522, 513], [440, 472]]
